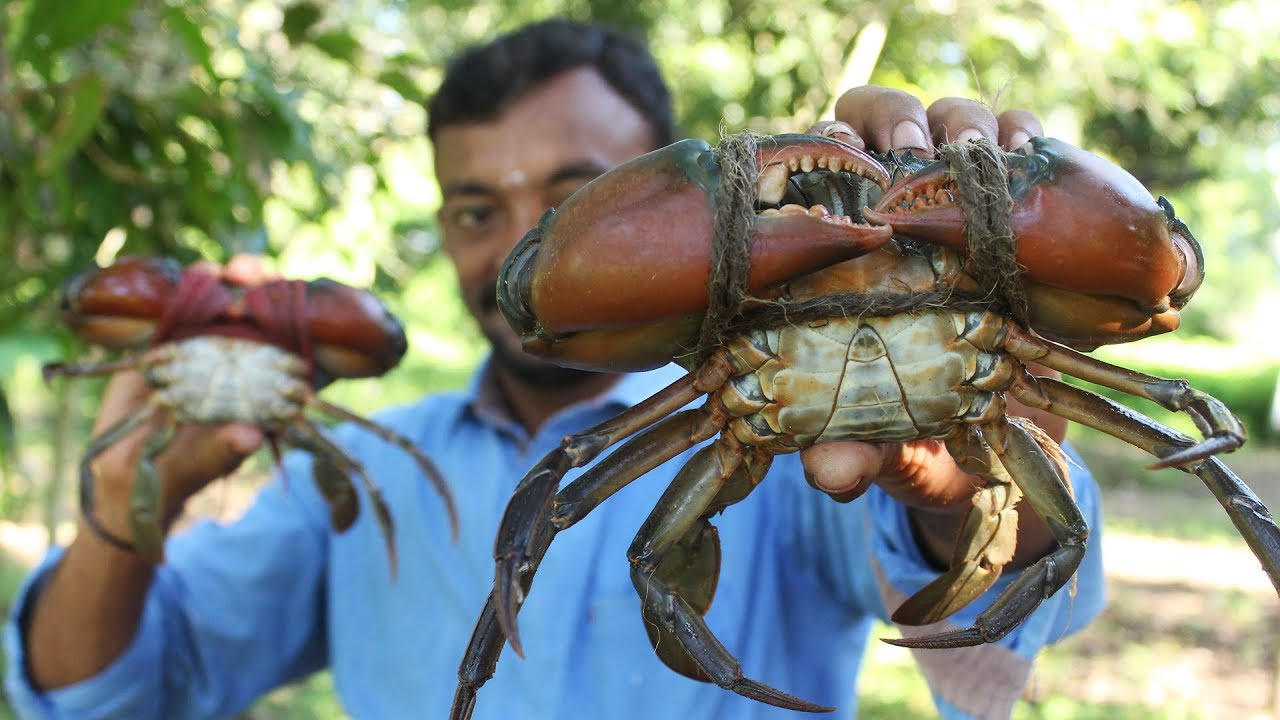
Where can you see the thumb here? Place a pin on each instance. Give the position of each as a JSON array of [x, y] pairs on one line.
[[844, 470]]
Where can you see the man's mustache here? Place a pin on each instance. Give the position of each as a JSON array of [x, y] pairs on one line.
[[489, 298]]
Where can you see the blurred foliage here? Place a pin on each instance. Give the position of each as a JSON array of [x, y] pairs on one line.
[[202, 129]]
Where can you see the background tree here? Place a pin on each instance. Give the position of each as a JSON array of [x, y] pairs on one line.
[[199, 130]]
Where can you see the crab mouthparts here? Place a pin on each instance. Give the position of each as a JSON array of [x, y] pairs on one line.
[[825, 181]]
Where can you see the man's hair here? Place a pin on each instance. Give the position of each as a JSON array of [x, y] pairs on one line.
[[483, 80]]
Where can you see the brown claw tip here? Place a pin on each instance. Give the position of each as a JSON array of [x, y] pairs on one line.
[[507, 606], [773, 696], [1196, 453], [940, 641]]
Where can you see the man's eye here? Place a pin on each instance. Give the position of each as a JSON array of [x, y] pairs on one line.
[[471, 217]]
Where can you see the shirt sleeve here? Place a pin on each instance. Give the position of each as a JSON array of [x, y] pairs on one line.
[[234, 611]]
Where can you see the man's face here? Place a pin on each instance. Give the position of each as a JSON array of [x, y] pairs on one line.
[[498, 177]]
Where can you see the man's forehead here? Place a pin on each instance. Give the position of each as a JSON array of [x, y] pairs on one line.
[[574, 119]]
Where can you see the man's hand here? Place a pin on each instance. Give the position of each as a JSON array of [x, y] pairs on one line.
[[197, 455], [921, 474]]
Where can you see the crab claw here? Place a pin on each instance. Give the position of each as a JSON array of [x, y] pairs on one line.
[[120, 306], [1104, 261], [616, 278]]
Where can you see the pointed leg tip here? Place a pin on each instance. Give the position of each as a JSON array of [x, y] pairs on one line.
[[772, 696], [1202, 450], [940, 641]]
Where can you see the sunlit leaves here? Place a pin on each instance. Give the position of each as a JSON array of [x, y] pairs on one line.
[[46, 27]]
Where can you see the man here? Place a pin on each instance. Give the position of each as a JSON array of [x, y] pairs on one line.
[[517, 125]]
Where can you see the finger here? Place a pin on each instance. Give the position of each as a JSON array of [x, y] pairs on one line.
[[956, 120], [247, 269], [886, 119], [1017, 127], [842, 470], [837, 130], [200, 454]]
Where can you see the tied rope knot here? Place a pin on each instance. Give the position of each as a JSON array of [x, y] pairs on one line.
[[734, 207], [978, 169]]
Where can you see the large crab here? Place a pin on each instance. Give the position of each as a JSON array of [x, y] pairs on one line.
[[219, 352], [857, 309]]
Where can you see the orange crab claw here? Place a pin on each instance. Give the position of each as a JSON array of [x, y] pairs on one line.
[[616, 278], [120, 306], [1104, 261]]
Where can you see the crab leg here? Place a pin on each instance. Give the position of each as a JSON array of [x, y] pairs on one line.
[[1221, 429], [306, 436], [51, 370], [986, 542], [528, 529], [146, 501], [1247, 512], [536, 512], [675, 563], [434, 476], [1048, 493], [96, 447]]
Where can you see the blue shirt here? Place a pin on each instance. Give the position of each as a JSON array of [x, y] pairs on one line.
[[239, 609]]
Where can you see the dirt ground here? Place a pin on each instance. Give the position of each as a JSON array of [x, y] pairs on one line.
[[1192, 625]]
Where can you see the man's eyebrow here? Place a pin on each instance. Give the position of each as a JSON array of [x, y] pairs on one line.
[[577, 171], [466, 187]]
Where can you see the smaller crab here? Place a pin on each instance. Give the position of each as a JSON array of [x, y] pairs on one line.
[[219, 352]]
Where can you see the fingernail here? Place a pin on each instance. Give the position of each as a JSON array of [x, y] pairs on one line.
[[1018, 139], [908, 135], [968, 134], [845, 134]]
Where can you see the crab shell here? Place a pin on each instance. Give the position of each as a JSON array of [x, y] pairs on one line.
[[140, 301], [616, 278]]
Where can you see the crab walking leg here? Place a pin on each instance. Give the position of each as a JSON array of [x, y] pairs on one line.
[[434, 476], [518, 561], [986, 542], [534, 517], [535, 500], [1250, 516], [675, 564], [1047, 491], [308, 437], [146, 501], [520, 550], [109, 437], [332, 477], [51, 370], [1221, 428]]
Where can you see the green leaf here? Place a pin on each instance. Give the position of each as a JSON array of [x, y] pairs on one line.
[[401, 83], [299, 18], [76, 119], [339, 45], [189, 31], [51, 26], [8, 438]]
